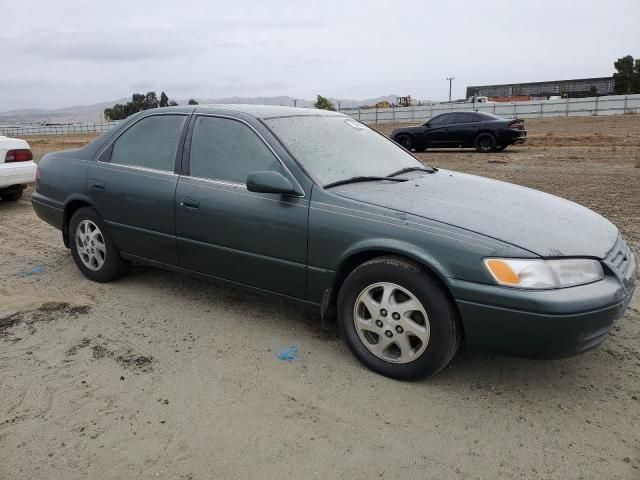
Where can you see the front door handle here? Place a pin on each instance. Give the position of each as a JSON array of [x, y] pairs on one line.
[[97, 184], [188, 202]]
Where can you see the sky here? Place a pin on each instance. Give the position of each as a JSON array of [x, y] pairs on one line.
[[63, 53]]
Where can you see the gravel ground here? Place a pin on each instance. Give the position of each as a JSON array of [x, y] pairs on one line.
[[159, 375]]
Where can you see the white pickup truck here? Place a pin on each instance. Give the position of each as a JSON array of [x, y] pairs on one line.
[[17, 168]]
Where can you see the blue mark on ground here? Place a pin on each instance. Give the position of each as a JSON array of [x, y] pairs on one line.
[[289, 354], [38, 269]]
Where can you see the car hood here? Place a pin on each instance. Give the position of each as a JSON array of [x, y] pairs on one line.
[[544, 224]]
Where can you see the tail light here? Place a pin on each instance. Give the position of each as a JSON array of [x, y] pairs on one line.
[[18, 155], [517, 124]]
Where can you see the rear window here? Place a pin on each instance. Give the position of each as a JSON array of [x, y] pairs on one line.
[[485, 116]]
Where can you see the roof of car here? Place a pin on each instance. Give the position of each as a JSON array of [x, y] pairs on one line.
[[264, 111]]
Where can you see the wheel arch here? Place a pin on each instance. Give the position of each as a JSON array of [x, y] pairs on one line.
[[485, 131], [72, 204], [360, 254]]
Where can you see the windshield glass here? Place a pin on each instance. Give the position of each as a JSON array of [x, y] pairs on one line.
[[335, 148]]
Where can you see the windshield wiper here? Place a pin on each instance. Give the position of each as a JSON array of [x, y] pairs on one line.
[[363, 179], [413, 169]]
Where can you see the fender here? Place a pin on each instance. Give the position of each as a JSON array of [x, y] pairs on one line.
[[397, 247]]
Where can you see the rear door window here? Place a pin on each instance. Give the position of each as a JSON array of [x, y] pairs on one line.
[[150, 143], [465, 118], [444, 119], [228, 150]]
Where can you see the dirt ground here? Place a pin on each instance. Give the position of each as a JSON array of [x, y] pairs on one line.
[[159, 375]]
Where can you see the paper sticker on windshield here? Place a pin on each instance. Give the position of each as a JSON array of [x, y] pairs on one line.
[[354, 124]]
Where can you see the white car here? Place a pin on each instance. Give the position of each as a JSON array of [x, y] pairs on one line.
[[17, 168]]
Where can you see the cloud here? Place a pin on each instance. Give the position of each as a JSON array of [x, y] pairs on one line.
[[69, 52]]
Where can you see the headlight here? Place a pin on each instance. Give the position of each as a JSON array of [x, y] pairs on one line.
[[535, 273]]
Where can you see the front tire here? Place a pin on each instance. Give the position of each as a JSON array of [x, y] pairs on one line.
[[405, 142], [397, 319], [92, 247], [485, 143]]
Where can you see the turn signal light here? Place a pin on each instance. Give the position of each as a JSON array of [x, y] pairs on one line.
[[502, 272]]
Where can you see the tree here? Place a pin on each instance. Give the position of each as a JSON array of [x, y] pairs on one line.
[[139, 102], [164, 100], [624, 78], [635, 84], [192, 102], [324, 104]]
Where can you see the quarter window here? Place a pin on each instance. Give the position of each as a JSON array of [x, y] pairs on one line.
[[150, 143], [224, 149]]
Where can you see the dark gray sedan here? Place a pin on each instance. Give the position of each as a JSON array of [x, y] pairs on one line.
[[317, 208]]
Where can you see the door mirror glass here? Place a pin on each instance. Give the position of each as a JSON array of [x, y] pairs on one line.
[[270, 182]]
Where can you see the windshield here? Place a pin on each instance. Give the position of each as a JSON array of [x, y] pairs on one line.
[[335, 148]]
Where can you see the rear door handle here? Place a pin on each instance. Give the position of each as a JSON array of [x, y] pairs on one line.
[[188, 202], [97, 184]]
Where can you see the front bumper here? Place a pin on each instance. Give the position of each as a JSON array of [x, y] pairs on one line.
[[17, 173], [543, 323]]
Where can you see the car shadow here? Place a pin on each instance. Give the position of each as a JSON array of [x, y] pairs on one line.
[[468, 372], [466, 150]]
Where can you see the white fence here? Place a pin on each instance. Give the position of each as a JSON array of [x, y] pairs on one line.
[[23, 129], [570, 107]]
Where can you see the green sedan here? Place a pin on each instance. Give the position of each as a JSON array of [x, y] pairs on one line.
[[315, 207]]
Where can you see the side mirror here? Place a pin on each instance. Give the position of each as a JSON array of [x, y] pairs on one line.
[[428, 125], [271, 182]]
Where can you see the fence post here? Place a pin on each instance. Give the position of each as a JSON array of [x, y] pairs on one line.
[[494, 107], [376, 115], [625, 105], [596, 112], [358, 113], [515, 109], [394, 113], [567, 105], [413, 114], [541, 104]]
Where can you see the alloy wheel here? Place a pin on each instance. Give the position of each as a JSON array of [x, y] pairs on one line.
[[90, 245], [485, 144], [391, 322]]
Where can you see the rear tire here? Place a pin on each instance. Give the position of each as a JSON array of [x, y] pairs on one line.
[[397, 319], [404, 141], [13, 196], [485, 143], [92, 247]]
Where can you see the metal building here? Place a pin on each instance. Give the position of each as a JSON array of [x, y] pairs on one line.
[[581, 87]]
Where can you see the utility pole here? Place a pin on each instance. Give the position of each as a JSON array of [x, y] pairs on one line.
[[451, 79]]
